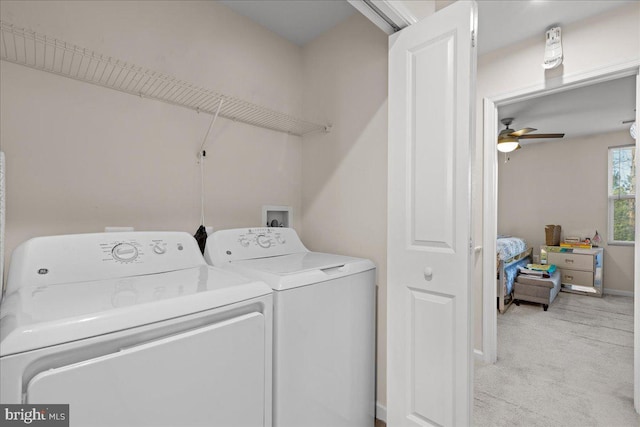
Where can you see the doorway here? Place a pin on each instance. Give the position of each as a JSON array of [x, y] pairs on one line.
[[490, 198]]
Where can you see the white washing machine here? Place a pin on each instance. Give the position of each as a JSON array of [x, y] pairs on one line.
[[324, 325], [135, 329]]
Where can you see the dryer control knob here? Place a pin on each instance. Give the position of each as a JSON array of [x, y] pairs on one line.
[[263, 241], [244, 242], [159, 249], [124, 252]]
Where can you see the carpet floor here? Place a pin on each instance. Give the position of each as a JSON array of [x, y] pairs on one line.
[[569, 366]]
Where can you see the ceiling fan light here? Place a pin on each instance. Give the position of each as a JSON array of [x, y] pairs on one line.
[[508, 144], [507, 147]]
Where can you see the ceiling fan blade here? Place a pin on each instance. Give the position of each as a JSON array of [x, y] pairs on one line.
[[543, 135], [522, 131]]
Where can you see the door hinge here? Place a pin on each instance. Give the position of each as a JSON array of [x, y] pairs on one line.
[[473, 38]]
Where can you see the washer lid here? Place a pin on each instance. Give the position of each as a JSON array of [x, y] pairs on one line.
[[39, 316], [296, 263], [300, 269]]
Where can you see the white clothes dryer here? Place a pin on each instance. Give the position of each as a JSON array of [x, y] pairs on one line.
[[324, 325], [135, 329]]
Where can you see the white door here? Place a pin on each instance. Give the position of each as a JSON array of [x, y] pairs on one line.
[[431, 100]]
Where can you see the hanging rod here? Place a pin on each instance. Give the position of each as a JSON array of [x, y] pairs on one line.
[[28, 48]]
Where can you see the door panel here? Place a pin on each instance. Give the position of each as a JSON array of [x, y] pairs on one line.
[[432, 206], [432, 332], [431, 88]]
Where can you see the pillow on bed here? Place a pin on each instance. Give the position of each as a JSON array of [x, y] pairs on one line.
[[507, 247]]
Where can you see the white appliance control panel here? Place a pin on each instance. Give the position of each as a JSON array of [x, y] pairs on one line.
[[137, 250], [250, 243], [264, 238], [85, 257]]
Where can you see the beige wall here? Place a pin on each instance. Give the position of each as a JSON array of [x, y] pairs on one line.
[[420, 9], [81, 157], [564, 182], [607, 39], [345, 172]]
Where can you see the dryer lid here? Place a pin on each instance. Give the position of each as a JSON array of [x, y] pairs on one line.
[[40, 316]]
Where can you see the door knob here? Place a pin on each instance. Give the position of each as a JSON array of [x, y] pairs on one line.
[[428, 273]]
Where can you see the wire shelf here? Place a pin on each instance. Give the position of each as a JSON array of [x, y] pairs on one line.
[[28, 48]]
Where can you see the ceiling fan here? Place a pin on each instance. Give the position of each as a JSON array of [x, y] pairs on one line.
[[509, 140]]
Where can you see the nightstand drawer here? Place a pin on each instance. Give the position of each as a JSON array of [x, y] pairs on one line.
[[575, 277], [581, 270], [572, 261]]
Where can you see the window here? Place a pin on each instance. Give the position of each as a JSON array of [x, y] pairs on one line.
[[622, 193]]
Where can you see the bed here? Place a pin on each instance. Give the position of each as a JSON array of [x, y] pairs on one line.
[[511, 252]]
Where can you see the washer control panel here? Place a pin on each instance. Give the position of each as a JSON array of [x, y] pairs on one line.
[[249, 243], [264, 238]]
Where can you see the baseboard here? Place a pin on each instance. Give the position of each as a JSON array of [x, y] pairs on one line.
[[381, 412], [618, 293]]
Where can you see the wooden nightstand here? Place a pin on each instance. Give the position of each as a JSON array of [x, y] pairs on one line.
[[581, 270]]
